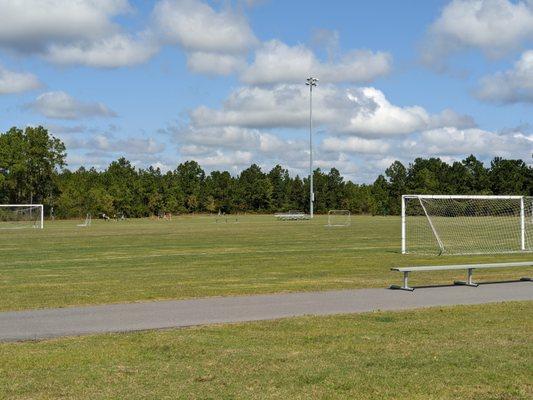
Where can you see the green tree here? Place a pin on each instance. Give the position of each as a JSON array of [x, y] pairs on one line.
[[478, 175], [191, 178], [509, 176], [29, 162], [220, 186], [380, 194], [254, 189], [397, 178], [280, 181]]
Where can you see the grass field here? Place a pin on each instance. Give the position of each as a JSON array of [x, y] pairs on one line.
[[467, 352], [192, 256]]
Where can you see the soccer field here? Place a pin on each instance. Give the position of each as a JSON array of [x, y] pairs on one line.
[[194, 256]]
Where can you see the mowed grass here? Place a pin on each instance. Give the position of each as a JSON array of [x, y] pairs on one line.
[[192, 256], [467, 352]]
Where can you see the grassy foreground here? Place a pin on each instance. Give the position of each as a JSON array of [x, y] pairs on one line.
[[192, 256], [467, 352]]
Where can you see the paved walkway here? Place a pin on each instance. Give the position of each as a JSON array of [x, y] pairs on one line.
[[40, 324]]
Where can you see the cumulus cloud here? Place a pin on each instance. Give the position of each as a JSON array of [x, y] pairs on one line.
[[493, 26], [198, 27], [215, 63], [200, 140], [31, 25], [73, 32], [16, 82], [385, 119], [276, 62], [110, 52], [355, 145], [354, 111], [448, 117], [215, 41], [512, 86], [60, 105], [97, 147], [453, 142], [220, 158]]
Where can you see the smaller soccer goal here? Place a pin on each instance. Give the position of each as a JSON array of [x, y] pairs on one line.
[[19, 216], [87, 222], [339, 218]]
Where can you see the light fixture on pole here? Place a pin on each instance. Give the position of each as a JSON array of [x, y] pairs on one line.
[[311, 82]]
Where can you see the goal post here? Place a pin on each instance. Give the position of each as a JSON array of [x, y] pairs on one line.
[[18, 216], [87, 222], [466, 224], [339, 218]]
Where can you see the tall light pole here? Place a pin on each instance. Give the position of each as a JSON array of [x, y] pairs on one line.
[[311, 82]]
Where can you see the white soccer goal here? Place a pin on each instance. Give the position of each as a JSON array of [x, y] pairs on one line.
[[18, 216], [339, 218], [87, 222], [464, 224]]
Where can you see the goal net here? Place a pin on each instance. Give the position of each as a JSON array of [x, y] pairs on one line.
[[440, 224], [18, 216], [339, 218]]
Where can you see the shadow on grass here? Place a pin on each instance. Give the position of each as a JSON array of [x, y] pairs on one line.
[[478, 283]]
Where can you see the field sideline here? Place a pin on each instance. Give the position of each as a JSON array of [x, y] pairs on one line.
[[192, 256]]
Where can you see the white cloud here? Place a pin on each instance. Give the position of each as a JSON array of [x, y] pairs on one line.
[[99, 149], [385, 119], [61, 105], [30, 25], [74, 32], [276, 62], [227, 137], [216, 42], [197, 27], [512, 86], [448, 117], [223, 159], [110, 52], [16, 82], [202, 140], [493, 26], [215, 63], [355, 145], [450, 142], [357, 111]]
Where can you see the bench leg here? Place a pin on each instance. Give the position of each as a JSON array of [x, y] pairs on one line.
[[468, 281], [405, 283]]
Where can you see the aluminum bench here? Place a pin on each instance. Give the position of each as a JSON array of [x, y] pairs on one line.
[[468, 267]]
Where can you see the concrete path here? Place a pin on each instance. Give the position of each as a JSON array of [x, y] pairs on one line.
[[40, 324]]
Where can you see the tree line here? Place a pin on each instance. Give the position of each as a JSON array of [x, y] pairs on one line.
[[33, 170]]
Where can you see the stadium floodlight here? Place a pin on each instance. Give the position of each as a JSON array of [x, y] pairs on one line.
[[339, 218], [311, 82], [17, 216], [465, 224]]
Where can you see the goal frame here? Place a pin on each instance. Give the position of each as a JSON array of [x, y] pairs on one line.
[[38, 206], [405, 197], [347, 213]]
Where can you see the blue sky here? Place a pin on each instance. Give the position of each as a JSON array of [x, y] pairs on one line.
[[222, 82]]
